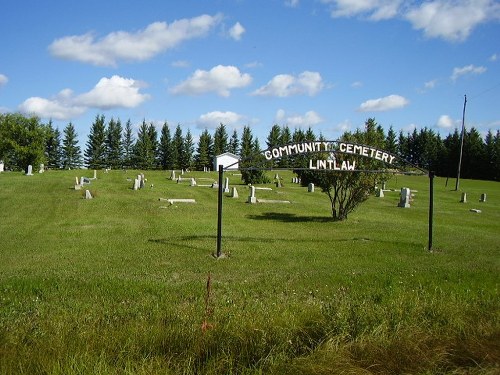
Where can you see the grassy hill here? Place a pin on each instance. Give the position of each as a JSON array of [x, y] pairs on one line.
[[126, 284]]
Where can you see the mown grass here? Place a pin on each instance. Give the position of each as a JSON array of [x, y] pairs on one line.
[[117, 284]]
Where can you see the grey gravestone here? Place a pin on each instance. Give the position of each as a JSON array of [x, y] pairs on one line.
[[404, 200], [226, 185], [379, 193], [30, 170], [172, 175], [251, 198], [310, 188], [88, 195], [234, 193], [483, 198], [42, 168], [463, 199], [137, 184], [193, 181]]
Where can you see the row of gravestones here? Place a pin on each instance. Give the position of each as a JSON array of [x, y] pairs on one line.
[[463, 199]]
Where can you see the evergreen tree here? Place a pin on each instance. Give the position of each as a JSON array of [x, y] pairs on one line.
[[177, 147], [391, 144], [128, 145], [114, 146], [234, 143], [165, 147], [495, 169], [286, 138], [187, 159], [273, 140], [95, 153], [310, 136], [473, 156], [53, 148], [220, 140], [250, 157], [205, 145], [143, 148], [452, 144], [153, 136], [72, 154]]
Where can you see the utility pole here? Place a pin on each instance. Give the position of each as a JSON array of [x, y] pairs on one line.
[[461, 145]]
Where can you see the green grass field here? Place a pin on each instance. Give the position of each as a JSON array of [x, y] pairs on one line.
[[118, 284]]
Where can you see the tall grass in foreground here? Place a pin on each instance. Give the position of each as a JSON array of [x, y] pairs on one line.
[[118, 284]]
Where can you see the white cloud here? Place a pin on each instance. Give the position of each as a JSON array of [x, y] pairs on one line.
[[213, 119], [109, 93], [180, 64], [494, 57], [236, 31], [220, 79], [310, 118], [3, 79], [452, 20], [384, 104], [429, 85], [469, 69], [283, 85], [357, 84], [114, 92], [138, 46], [445, 122], [292, 3], [373, 9], [343, 126]]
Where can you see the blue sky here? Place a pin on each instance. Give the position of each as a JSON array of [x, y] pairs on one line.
[[327, 64]]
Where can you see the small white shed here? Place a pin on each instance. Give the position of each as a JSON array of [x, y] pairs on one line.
[[226, 159]]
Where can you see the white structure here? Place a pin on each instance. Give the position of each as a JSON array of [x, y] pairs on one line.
[[1, 166], [226, 159]]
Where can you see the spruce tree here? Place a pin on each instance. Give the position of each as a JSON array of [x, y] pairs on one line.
[[128, 145], [220, 140], [95, 152], [53, 148], [114, 146], [71, 155], [234, 143], [165, 147], [203, 152]]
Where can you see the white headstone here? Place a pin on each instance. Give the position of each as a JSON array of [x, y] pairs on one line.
[[172, 175], [1, 166], [193, 181], [95, 174], [379, 193], [483, 198], [310, 188], [42, 168], [226, 185], [463, 199], [30, 170], [88, 195], [137, 184], [234, 192], [251, 198], [404, 200]]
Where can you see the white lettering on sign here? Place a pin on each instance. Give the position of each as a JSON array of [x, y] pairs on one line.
[[331, 147]]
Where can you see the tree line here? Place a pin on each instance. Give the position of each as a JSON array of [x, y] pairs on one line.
[[110, 144]]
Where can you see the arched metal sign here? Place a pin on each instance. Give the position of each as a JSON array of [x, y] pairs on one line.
[[336, 156]]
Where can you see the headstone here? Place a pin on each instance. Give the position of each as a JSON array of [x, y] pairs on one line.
[[379, 193], [251, 198], [88, 195], [404, 200], [76, 181], [2, 166], [137, 184], [172, 175], [464, 198], [226, 185], [30, 170], [383, 186], [310, 188], [193, 181], [84, 181], [95, 174], [483, 198], [42, 168], [276, 177], [234, 192]]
